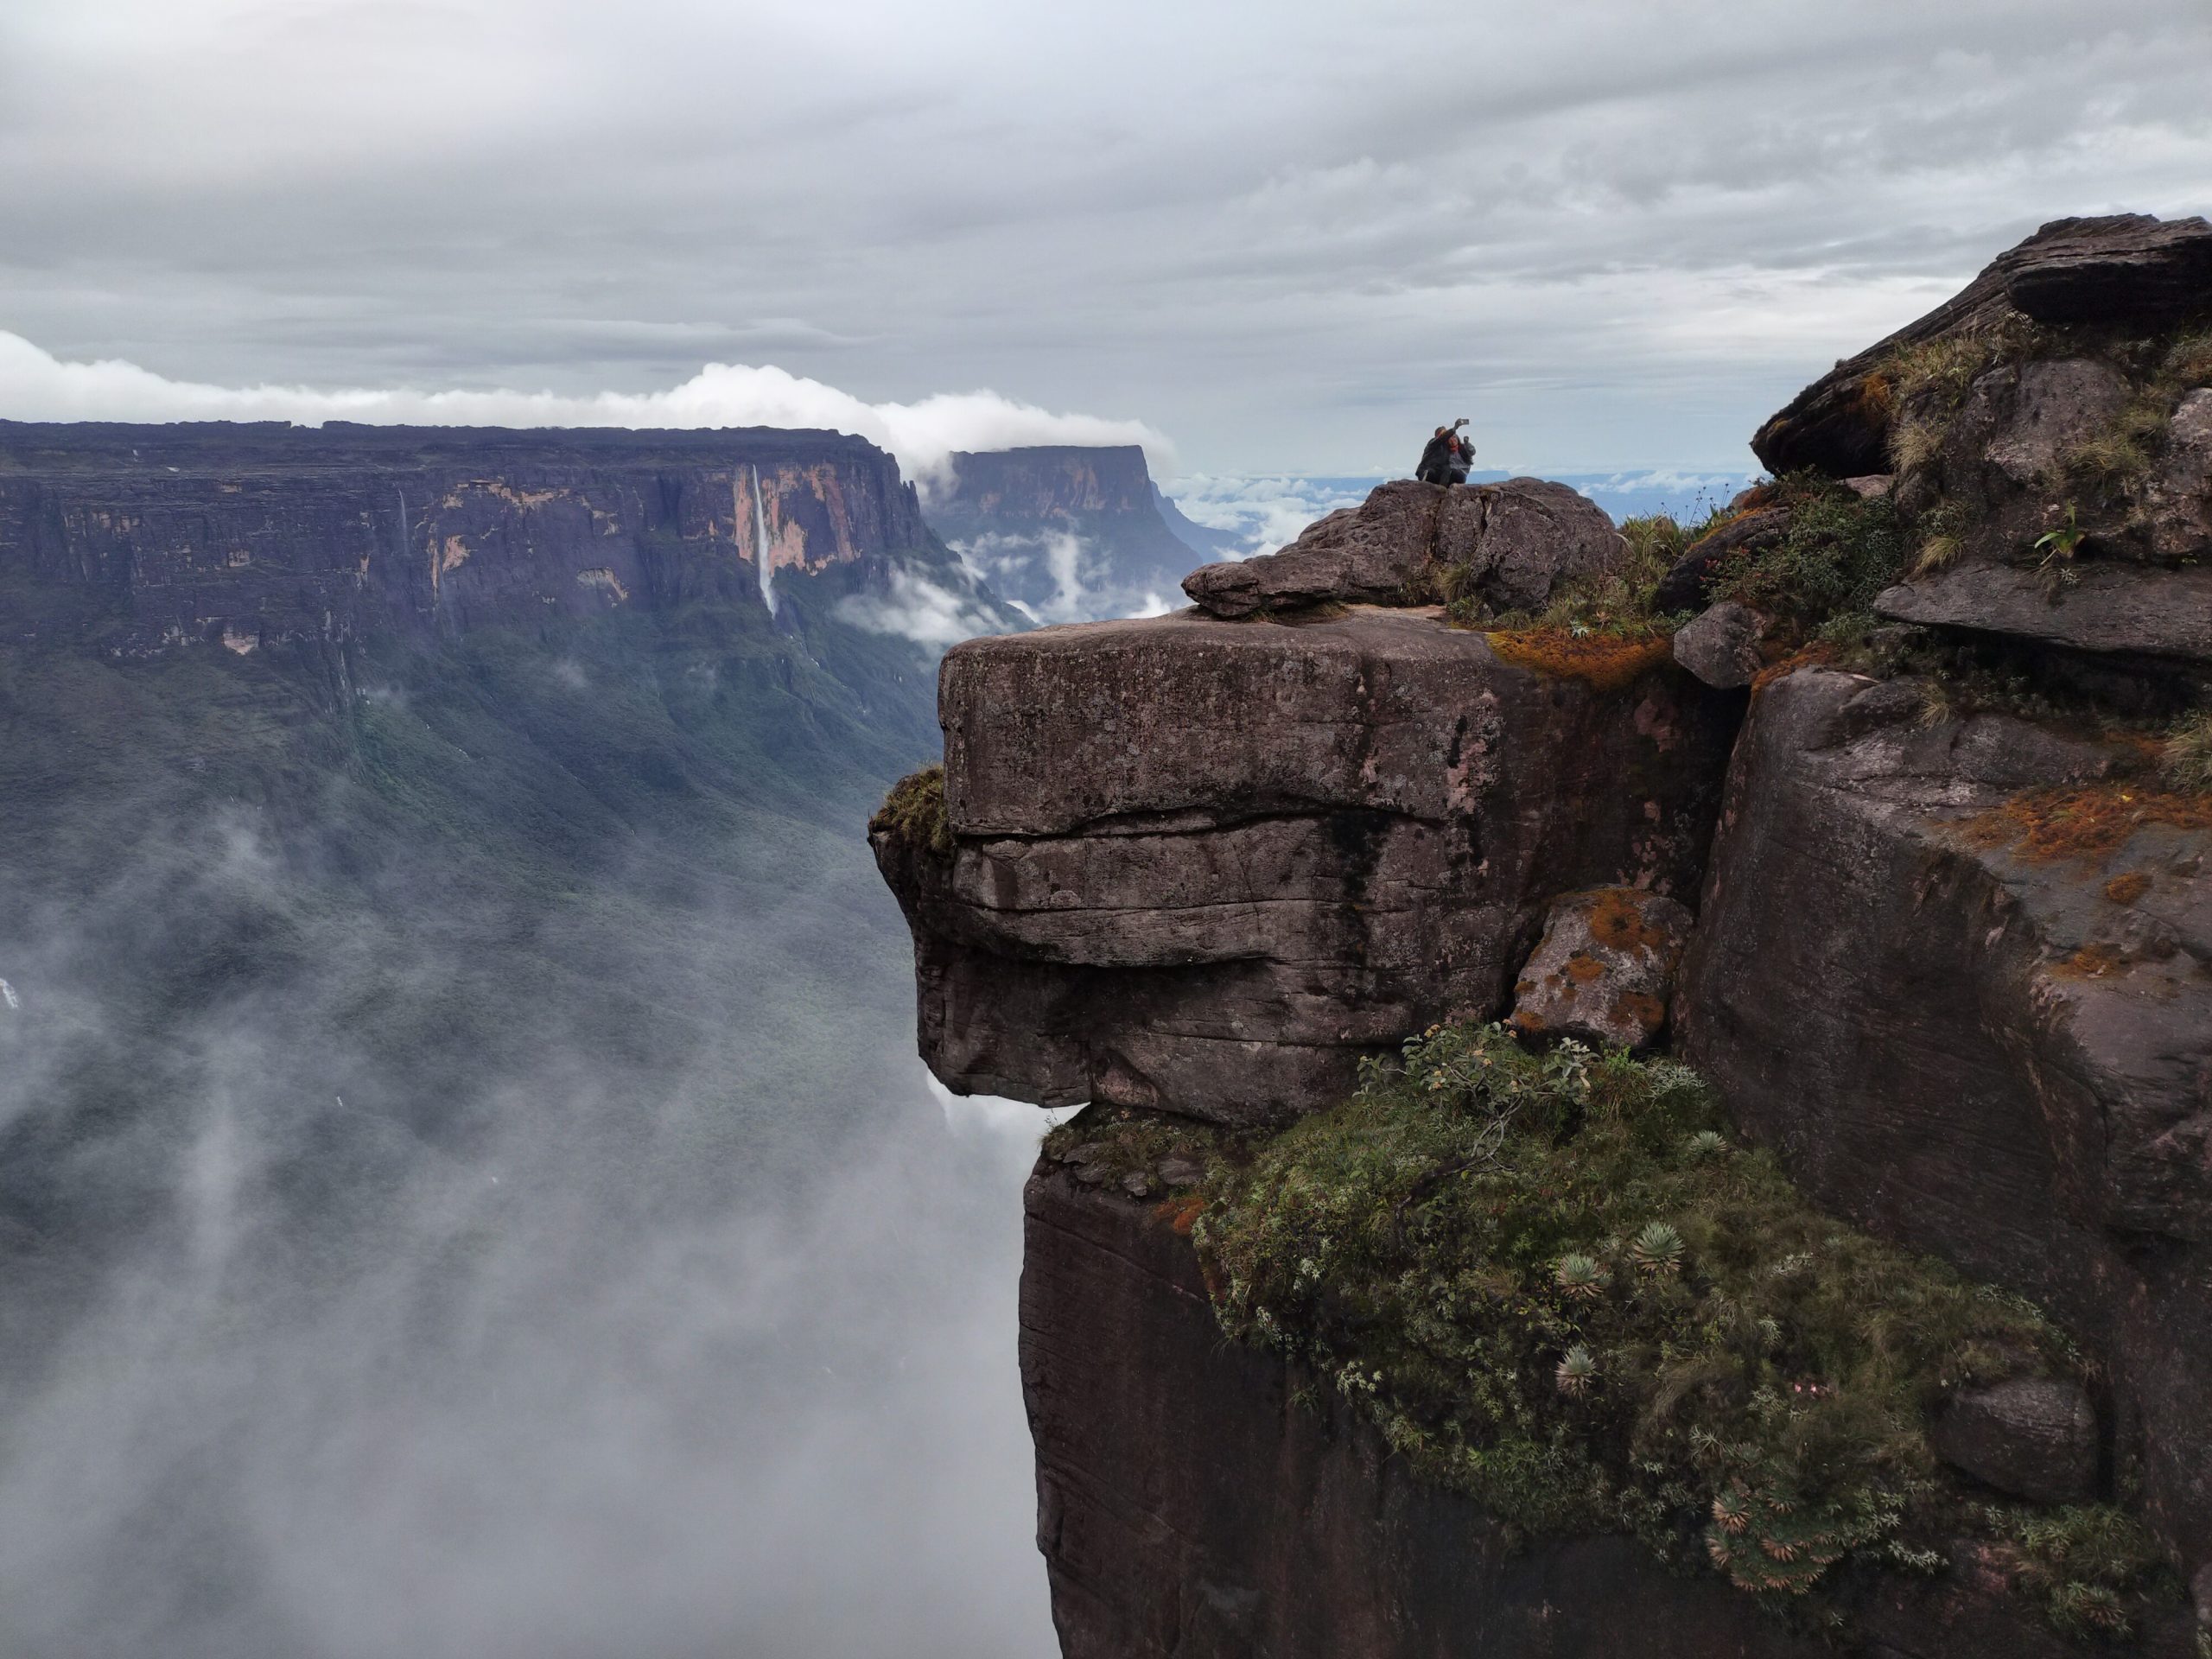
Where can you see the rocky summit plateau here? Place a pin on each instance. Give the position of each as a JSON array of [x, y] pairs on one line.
[[1645, 1089]]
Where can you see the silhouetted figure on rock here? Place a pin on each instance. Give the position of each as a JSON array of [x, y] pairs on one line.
[[1446, 457]]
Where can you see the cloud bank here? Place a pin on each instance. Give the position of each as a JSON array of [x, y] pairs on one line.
[[36, 385]]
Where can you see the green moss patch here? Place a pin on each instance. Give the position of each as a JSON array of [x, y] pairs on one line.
[[1558, 1285], [1819, 581]]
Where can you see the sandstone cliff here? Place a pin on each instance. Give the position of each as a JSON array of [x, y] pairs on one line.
[[153, 537], [1949, 966], [1072, 532]]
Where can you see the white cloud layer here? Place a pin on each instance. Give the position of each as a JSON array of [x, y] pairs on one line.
[[36, 386]]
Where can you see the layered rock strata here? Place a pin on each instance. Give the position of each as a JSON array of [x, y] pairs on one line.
[[1211, 864], [155, 538]]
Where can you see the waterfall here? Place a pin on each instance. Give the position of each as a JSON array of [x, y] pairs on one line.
[[760, 544], [8, 994]]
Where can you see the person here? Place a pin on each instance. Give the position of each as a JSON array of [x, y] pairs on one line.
[[1444, 459]]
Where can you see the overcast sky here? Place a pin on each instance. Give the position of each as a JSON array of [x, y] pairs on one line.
[[1285, 237]]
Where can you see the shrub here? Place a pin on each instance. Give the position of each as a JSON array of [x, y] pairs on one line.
[[1552, 1290], [1839, 551], [913, 812]]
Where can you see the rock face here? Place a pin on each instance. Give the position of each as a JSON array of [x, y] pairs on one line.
[[1205, 867], [1510, 543], [2107, 609], [1605, 969], [1071, 531], [2122, 270], [1956, 976], [1721, 646], [153, 538], [1200, 1500], [2033, 1437]]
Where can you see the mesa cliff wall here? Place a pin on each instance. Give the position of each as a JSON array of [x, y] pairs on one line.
[[151, 538]]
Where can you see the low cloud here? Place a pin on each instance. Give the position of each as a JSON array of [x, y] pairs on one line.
[[914, 606], [36, 385]]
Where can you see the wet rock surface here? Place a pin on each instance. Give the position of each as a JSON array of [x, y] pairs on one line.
[[1604, 968], [1204, 866], [1510, 543]]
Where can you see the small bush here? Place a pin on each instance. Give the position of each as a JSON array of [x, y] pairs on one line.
[[913, 812], [2085, 1564], [1839, 551], [1554, 1287]]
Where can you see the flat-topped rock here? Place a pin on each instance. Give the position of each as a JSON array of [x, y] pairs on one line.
[[1206, 866], [1511, 544]]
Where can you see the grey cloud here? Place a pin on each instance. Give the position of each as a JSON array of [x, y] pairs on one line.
[[1276, 234]]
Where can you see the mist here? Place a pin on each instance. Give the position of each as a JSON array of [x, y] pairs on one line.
[[578, 1268]]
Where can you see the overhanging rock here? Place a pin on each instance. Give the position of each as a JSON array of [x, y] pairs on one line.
[[1205, 867]]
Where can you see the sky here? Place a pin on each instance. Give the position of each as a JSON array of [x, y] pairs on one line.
[[1286, 238]]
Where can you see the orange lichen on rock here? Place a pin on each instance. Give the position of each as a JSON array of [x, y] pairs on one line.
[[1180, 1214], [1583, 969], [2126, 889], [1618, 921], [1812, 656], [1606, 662], [1638, 1009], [2087, 821], [2091, 962]]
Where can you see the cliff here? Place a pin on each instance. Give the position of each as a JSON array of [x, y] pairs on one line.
[[1884, 797], [153, 538], [1070, 532]]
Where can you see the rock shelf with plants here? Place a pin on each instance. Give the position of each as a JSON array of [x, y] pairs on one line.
[[1557, 1283]]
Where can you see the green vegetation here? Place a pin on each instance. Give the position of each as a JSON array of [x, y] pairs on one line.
[[2084, 1566], [1556, 1284], [1924, 385], [913, 812], [1818, 581]]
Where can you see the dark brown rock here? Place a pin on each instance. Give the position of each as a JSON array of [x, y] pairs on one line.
[[1683, 587], [2035, 1437], [1605, 969], [1721, 645], [1197, 1499], [2125, 269], [1206, 866], [1921, 975], [1510, 543], [2114, 609]]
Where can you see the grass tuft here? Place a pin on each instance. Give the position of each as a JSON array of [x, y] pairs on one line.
[[913, 812]]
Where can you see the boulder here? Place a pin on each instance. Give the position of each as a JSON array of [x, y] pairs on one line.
[[1951, 975], [1683, 587], [2125, 269], [1511, 544], [1721, 646], [2034, 1436], [1205, 867], [1605, 969], [2131, 587]]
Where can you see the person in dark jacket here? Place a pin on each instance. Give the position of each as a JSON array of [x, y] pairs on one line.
[[1444, 459]]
